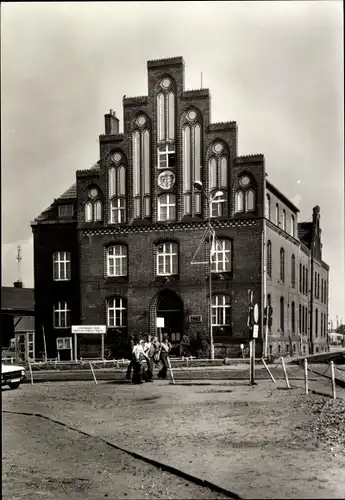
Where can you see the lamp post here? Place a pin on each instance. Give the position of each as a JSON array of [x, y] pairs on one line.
[[210, 199]]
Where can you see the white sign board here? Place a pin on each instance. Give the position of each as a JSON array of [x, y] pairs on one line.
[[89, 329], [256, 313], [160, 322], [255, 331]]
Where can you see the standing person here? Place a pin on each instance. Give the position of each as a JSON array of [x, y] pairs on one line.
[[149, 349], [138, 359], [165, 349], [130, 366]]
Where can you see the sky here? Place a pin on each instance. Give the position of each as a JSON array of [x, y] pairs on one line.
[[274, 67]]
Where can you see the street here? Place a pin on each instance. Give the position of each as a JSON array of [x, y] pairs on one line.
[[41, 459], [257, 442]]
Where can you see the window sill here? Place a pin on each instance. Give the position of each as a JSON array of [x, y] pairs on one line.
[[110, 280], [62, 280], [166, 279]]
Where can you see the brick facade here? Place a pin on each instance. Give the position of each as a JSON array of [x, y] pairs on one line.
[[140, 289]]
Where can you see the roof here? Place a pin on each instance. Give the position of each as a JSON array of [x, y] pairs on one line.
[[69, 194], [17, 299], [282, 197]]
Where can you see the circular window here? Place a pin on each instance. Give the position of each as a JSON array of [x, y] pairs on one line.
[[93, 193], [166, 83], [245, 180], [218, 147], [116, 157], [141, 120], [191, 115]]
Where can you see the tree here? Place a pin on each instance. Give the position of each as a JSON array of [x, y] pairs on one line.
[[341, 329]]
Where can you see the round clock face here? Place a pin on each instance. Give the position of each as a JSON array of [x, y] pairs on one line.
[[141, 120], [245, 181], [218, 147], [93, 193], [116, 157], [166, 179], [166, 83]]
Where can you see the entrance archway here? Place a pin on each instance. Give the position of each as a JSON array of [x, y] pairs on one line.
[[170, 307]]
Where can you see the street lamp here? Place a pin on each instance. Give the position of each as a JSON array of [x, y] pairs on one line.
[[210, 199]]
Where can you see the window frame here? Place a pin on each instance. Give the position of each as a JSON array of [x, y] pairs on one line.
[[170, 207], [224, 263], [62, 312], [224, 308], [122, 308], [168, 257], [67, 259], [117, 261]]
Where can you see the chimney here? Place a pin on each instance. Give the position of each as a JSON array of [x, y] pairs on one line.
[[18, 284], [111, 123]]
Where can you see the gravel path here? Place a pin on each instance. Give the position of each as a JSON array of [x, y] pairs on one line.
[[41, 459], [260, 442]]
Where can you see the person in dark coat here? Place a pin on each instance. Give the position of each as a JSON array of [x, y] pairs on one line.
[[130, 366], [165, 349], [139, 362]]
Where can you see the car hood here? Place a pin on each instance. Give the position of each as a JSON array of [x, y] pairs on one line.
[[11, 368]]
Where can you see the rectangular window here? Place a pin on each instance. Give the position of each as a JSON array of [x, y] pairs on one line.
[[61, 316], [221, 256], [62, 266], [220, 310], [167, 259], [117, 261], [167, 156], [63, 343], [118, 211], [187, 204], [65, 211], [197, 199], [147, 202]]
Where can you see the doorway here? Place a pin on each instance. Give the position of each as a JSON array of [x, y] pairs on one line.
[[170, 307]]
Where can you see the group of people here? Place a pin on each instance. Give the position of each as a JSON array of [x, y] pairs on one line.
[[148, 352]]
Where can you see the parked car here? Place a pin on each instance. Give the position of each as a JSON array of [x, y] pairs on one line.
[[12, 375]]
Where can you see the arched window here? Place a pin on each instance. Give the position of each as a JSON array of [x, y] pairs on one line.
[[293, 271], [167, 259], [300, 319], [88, 212], [160, 117], [116, 261], [293, 231], [61, 266], [306, 281], [239, 201], [221, 310], [213, 173], [316, 322], [300, 278], [166, 207], [221, 256], [116, 312], [250, 200], [282, 265], [191, 160], [268, 207], [282, 314], [303, 279], [269, 259], [245, 197], [277, 215], [61, 315], [218, 177], [284, 219], [293, 320], [141, 169], [98, 210], [171, 116], [117, 189]]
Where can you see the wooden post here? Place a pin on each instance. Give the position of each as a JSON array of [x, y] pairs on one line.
[[285, 374], [306, 375], [269, 372], [333, 380], [31, 376], [75, 347], [102, 346], [171, 372], [93, 373]]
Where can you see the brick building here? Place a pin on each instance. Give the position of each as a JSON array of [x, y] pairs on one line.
[[116, 248]]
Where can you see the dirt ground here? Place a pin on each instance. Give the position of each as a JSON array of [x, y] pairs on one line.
[[259, 442]]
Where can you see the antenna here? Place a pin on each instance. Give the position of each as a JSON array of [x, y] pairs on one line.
[[19, 258], [201, 79]]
